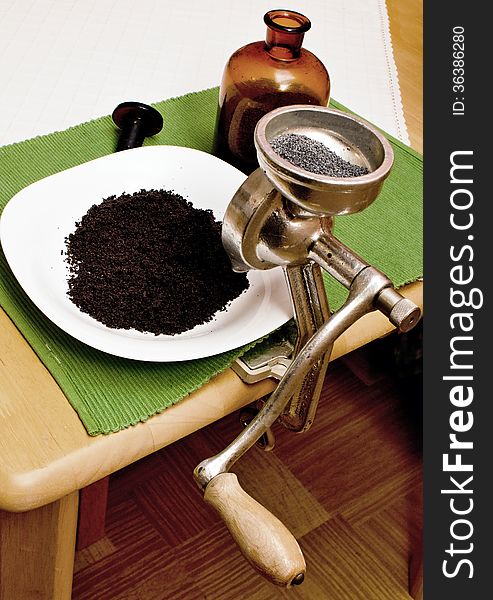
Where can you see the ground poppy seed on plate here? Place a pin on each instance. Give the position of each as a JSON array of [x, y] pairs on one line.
[[313, 156], [150, 261]]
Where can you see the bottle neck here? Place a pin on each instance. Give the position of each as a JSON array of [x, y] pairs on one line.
[[283, 46], [285, 33]]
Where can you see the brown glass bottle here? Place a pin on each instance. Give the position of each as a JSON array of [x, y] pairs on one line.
[[262, 76]]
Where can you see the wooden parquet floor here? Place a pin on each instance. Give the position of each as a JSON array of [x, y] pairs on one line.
[[349, 489]]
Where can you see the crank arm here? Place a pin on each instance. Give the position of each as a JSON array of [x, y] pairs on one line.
[[277, 555]]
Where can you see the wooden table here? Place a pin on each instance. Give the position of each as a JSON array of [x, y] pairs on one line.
[[46, 456]]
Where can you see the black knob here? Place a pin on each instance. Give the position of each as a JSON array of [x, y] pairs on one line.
[[136, 121], [299, 579]]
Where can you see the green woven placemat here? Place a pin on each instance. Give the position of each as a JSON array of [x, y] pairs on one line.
[[111, 393]]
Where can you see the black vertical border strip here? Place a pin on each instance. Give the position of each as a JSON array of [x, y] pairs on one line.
[[445, 133]]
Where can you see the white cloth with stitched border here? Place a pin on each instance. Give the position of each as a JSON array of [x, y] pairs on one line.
[[64, 62]]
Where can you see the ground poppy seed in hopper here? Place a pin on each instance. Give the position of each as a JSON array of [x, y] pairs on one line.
[[150, 261]]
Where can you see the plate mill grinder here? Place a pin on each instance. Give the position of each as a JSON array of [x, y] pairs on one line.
[[282, 215]]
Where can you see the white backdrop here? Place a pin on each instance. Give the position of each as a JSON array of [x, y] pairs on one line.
[[63, 62]]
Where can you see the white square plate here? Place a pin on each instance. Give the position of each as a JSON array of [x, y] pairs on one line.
[[37, 220]]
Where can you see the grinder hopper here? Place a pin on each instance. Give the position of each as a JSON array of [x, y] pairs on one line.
[[249, 216], [282, 216], [348, 136]]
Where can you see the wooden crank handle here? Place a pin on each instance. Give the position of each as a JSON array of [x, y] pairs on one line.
[[265, 542]]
